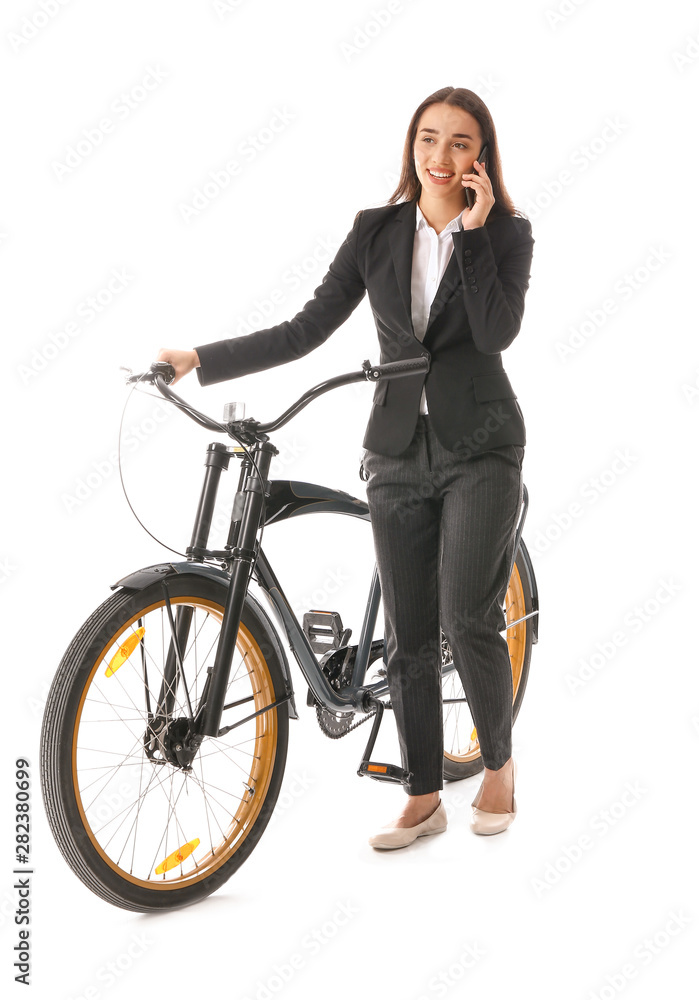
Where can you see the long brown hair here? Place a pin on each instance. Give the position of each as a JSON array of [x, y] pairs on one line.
[[409, 186]]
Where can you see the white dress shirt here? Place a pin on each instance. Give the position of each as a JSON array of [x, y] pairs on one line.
[[431, 253]]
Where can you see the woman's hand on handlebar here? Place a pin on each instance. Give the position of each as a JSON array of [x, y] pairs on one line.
[[182, 361]]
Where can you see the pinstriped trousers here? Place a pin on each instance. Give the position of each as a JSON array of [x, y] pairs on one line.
[[444, 527]]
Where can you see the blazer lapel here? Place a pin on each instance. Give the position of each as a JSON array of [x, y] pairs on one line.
[[402, 238]]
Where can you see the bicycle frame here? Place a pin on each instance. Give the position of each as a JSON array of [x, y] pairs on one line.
[[244, 559], [286, 498]]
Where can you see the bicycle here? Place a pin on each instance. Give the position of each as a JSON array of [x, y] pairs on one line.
[[165, 732]]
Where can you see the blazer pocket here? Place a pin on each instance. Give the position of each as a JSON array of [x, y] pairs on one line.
[[380, 393], [493, 385]]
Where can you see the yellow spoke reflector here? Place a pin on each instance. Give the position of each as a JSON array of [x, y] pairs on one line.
[[124, 651], [473, 735], [177, 857]]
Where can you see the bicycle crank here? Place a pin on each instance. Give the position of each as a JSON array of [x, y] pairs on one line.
[[375, 769]]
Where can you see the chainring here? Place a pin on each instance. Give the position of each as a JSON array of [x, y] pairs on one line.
[[338, 666]]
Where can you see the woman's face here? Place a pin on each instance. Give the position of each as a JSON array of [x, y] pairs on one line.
[[447, 142]]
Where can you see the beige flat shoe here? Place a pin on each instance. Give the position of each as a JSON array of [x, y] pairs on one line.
[[390, 837], [488, 822]]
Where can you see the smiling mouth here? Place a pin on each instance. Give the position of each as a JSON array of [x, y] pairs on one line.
[[440, 175]]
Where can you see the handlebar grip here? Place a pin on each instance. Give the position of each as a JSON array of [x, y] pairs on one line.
[[165, 369], [396, 369]]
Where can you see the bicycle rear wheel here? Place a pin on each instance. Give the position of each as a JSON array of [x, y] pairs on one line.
[[462, 753], [138, 828]]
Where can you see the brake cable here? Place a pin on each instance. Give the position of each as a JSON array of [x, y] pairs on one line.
[[249, 454]]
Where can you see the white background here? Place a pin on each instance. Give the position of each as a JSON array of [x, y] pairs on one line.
[[616, 580]]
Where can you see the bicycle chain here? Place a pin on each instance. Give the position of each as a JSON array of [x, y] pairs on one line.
[[338, 736]]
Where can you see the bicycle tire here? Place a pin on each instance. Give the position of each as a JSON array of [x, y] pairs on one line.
[[116, 819]]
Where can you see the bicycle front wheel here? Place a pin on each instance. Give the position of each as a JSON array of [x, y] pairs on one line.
[[140, 829], [462, 751]]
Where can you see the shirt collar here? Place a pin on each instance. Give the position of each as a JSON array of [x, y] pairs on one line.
[[421, 221]]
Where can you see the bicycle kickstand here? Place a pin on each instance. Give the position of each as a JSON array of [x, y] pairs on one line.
[[382, 772]]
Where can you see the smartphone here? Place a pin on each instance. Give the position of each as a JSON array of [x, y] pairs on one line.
[[482, 158]]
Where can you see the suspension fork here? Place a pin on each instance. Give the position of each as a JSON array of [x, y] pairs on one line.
[[216, 462], [254, 487]]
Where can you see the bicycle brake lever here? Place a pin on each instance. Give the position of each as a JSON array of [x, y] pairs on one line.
[[163, 368], [144, 377]]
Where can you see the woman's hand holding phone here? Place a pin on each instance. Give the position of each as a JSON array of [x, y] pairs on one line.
[[479, 193], [182, 361]]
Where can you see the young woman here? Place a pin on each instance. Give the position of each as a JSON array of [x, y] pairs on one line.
[[443, 452]]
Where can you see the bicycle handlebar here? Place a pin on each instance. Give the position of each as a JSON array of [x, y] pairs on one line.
[[162, 373]]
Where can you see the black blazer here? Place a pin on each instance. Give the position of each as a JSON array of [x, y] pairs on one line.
[[476, 314]]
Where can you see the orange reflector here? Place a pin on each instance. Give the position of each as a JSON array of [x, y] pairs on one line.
[[376, 767], [473, 735], [177, 857], [124, 651]]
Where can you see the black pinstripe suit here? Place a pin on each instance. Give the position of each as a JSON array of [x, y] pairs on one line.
[[444, 489], [475, 315]]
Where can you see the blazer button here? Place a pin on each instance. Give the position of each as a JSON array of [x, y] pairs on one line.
[[474, 288], [469, 270], [467, 253], [471, 279]]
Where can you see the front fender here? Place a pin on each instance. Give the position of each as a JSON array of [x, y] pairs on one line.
[[143, 578]]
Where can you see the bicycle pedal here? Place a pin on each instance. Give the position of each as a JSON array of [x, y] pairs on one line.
[[324, 630], [384, 772]]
